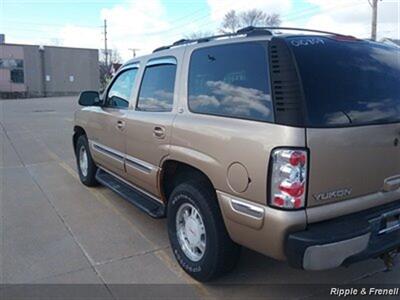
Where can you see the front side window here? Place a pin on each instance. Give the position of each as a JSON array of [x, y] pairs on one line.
[[232, 81], [121, 89], [157, 89]]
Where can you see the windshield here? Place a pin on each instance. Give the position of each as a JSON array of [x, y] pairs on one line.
[[348, 82]]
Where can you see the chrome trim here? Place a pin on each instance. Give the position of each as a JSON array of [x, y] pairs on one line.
[[329, 256], [139, 164], [396, 224], [131, 185], [390, 229], [247, 209], [119, 156], [107, 151]]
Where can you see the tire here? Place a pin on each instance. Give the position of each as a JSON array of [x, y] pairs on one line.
[[86, 175], [221, 253]]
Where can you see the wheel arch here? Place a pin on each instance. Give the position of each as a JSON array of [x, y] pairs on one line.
[[78, 131], [175, 171]]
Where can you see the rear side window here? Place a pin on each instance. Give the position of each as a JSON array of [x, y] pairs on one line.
[[348, 83], [157, 88], [232, 81]]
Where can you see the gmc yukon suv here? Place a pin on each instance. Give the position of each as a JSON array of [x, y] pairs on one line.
[[283, 141]]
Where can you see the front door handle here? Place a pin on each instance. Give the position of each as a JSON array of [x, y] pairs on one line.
[[120, 125], [159, 132]]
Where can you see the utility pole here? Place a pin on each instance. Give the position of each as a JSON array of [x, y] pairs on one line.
[[133, 51], [374, 5], [105, 43]]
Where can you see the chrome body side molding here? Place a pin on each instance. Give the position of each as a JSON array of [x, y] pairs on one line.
[[121, 157]]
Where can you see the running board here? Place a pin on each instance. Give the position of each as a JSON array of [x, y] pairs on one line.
[[150, 206]]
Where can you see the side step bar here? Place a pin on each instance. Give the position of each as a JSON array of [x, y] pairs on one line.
[[152, 207]]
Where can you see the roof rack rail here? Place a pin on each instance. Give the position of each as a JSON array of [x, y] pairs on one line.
[[252, 28], [248, 31]]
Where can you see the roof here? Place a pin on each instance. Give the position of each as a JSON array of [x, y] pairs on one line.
[[248, 32], [45, 46]]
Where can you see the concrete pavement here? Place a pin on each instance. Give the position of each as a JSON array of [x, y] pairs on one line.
[[55, 230]]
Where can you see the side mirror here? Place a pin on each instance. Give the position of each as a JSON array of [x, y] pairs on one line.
[[89, 98]]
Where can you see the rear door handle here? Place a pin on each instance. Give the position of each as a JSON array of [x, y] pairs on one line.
[[120, 125], [391, 183], [159, 132]]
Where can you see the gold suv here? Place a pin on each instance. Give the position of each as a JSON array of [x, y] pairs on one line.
[[283, 141]]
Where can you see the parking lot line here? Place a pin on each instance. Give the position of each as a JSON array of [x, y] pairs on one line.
[[160, 253]]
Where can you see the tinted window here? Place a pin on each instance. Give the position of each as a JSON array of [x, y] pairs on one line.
[[348, 82], [17, 76], [121, 89], [231, 80], [157, 89]]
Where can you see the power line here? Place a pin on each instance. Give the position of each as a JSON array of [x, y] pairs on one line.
[[49, 24], [169, 31], [306, 12], [178, 24], [293, 16]]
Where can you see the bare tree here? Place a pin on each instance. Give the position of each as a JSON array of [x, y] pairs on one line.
[[198, 35], [105, 70], [115, 57], [273, 20], [253, 17], [256, 17], [104, 76], [230, 23]]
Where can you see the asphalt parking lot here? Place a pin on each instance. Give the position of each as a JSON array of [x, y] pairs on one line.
[[55, 230]]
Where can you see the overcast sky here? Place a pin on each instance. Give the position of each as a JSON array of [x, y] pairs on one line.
[[147, 24]]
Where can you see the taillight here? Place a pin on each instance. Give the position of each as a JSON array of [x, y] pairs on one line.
[[288, 180]]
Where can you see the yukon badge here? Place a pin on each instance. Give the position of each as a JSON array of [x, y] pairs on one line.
[[332, 195]]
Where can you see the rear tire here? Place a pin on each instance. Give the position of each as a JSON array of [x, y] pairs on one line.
[[203, 227], [86, 167]]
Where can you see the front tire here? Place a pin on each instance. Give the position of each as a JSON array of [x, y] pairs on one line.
[[197, 233], [86, 167]]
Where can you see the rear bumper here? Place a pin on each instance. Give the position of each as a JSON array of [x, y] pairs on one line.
[[344, 240]]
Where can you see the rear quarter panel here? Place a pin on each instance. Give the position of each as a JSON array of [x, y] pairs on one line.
[[213, 143]]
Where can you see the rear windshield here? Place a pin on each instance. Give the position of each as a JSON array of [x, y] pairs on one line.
[[348, 82]]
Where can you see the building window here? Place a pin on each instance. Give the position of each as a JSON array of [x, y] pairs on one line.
[[10, 63], [17, 76], [16, 67]]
